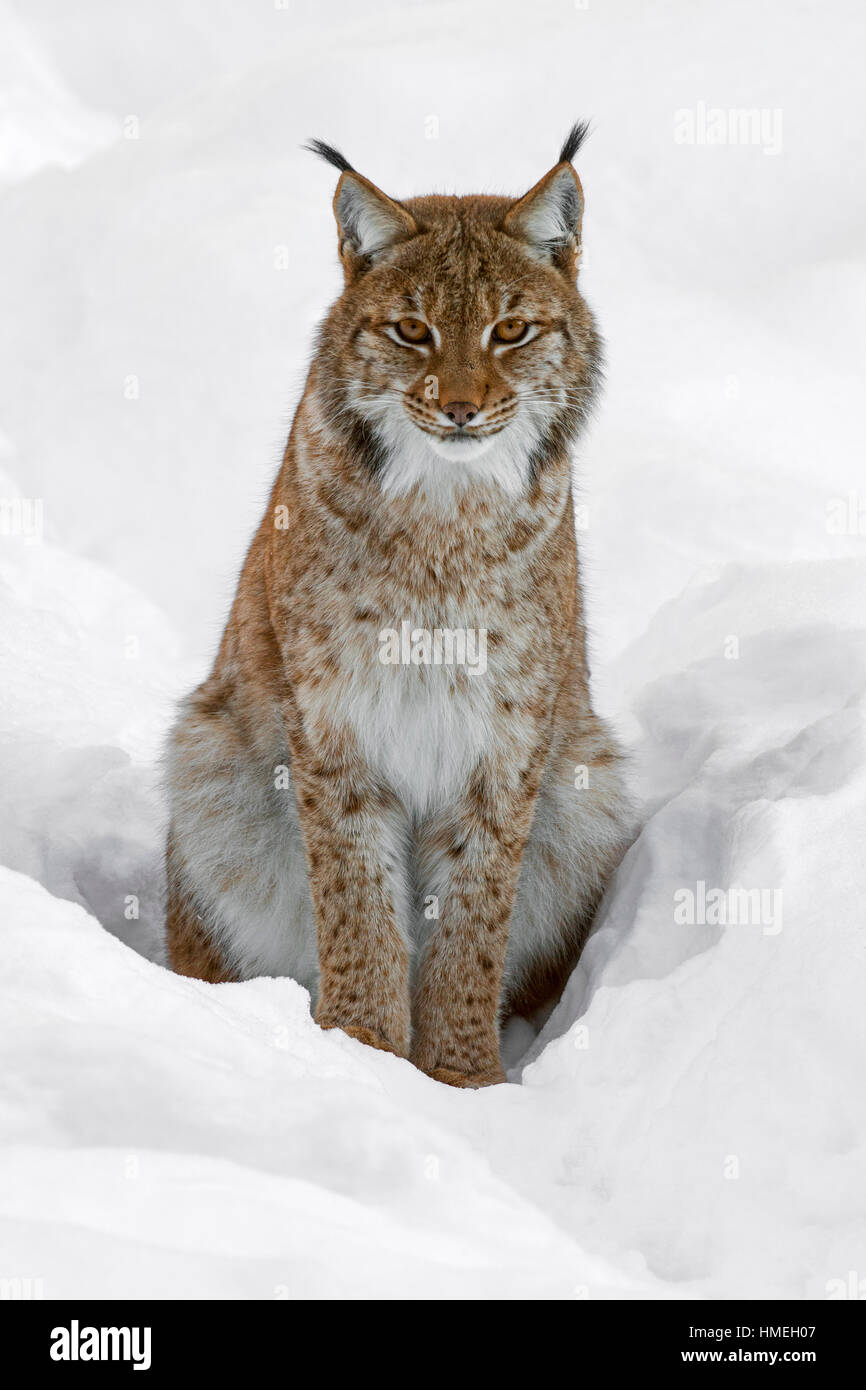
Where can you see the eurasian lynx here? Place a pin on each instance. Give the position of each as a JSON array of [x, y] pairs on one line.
[[393, 786]]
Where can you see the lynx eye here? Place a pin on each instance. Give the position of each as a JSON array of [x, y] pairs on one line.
[[413, 330], [510, 330]]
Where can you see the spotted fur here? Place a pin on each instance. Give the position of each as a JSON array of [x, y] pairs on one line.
[[422, 845]]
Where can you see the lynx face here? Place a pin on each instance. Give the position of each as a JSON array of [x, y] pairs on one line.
[[461, 347]]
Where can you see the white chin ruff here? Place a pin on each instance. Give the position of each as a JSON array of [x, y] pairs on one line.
[[441, 466], [461, 450]]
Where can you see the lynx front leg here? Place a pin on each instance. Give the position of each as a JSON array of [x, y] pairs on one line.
[[355, 837], [475, 856]]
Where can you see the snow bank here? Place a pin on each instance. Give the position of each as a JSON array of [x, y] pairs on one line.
[[175, 1139], [691, 1121]]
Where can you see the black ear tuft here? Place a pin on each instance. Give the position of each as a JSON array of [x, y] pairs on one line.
[[330, 155], [573, 141]]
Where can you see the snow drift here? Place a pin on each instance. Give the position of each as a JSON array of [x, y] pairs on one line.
[[691, 1120]]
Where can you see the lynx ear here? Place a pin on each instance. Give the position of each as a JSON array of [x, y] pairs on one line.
[[369, 221], [548, 217]]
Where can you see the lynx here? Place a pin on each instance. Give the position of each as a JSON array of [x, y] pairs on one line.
[[421, 844]]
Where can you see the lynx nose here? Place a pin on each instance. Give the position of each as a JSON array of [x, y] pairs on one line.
[[460, 412]]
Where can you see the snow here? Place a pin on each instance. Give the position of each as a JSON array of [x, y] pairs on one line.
[[691, 1121]]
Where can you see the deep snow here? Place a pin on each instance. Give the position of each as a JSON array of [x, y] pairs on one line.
[[691, 1121]]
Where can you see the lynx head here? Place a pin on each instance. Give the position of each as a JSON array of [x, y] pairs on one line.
[[460, 348]]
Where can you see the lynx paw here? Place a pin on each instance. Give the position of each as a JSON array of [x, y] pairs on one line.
[[364, 1035], [494, 1076]]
